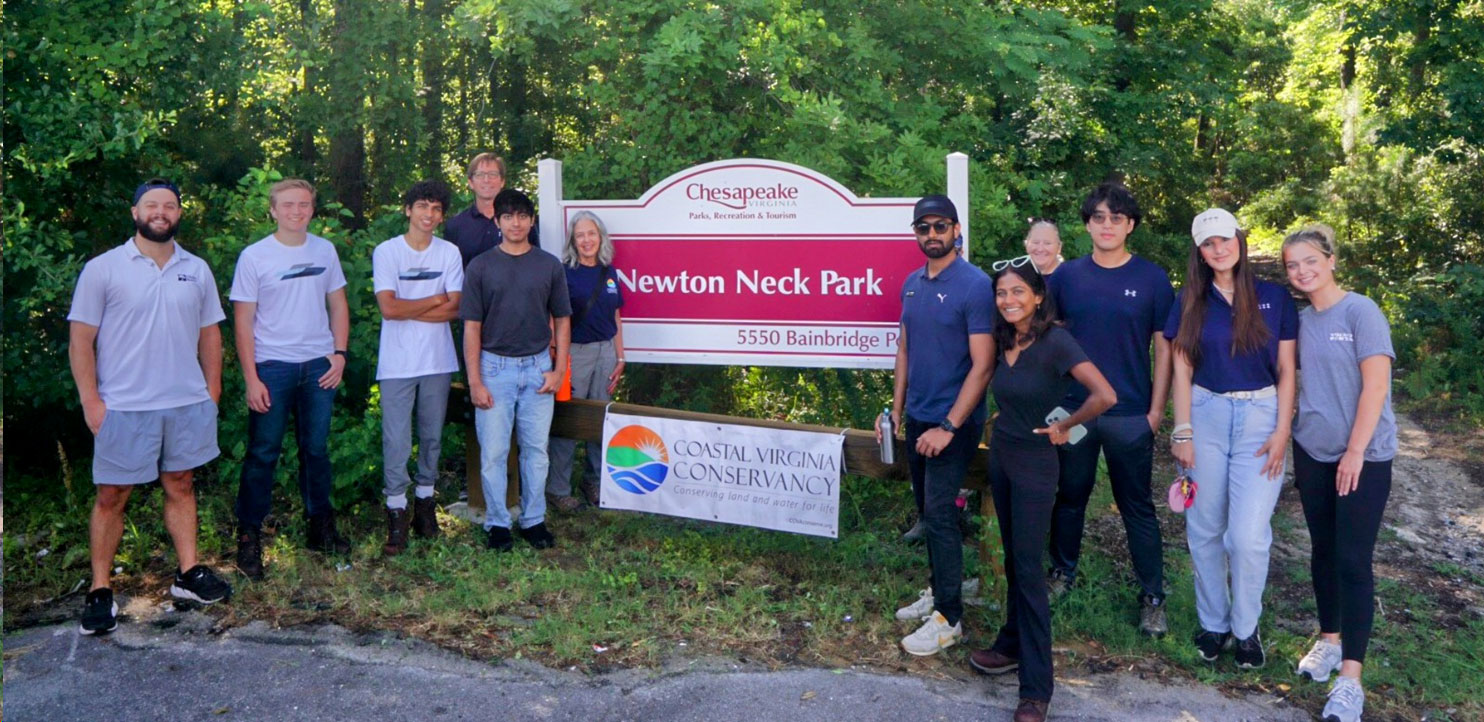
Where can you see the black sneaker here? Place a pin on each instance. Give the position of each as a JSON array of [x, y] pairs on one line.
[[1249, 652], [499, 539], [200, 585], [323, 537], [1210, 644], [99, 613], [250, 552], [538, 536]]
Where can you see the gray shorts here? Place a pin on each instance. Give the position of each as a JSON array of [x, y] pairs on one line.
[[133, 447]]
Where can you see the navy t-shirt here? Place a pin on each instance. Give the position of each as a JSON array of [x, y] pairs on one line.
[[939, 314], [1113, 313], [1219, 370], [1028, 390], [597, 323], [474, 233]]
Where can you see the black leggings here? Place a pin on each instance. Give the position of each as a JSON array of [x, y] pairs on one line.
[[1022, 478], [1343, 530]]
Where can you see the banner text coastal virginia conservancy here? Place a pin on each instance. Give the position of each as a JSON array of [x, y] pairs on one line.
[[769, 478]]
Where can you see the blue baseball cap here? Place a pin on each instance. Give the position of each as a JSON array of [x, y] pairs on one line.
[[935, 205]]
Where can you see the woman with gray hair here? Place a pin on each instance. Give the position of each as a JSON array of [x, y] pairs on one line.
[[597, 347]]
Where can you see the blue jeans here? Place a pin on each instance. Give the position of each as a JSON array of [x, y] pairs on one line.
[[293, 389], [1229, 527], [513, 382]]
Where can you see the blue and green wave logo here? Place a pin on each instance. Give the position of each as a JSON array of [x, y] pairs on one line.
[[637, 459]]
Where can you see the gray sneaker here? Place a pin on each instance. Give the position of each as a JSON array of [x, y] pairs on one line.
[[1152, 616], [1322, 660], [1057, 585], [1346, 701], [915, 533]]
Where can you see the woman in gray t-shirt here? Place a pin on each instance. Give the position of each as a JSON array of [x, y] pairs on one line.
[[1343, 443]]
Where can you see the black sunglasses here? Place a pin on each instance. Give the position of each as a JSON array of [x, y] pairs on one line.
[[922, 227]]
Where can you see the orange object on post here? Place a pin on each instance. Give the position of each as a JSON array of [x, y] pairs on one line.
[[564, 391]]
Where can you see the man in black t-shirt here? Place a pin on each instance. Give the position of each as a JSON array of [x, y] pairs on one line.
[[515, 304]]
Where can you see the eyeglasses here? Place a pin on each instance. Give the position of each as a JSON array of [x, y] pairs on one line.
[[1114, 218], [1013, 263], [487, 175], [922, 227]]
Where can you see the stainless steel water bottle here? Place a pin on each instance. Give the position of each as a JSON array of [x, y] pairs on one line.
[[888, 437]]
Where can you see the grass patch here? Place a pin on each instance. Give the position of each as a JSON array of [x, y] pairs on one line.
[[644, 589]]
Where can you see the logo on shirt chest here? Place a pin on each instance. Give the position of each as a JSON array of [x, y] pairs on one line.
[[301, 270], [1129, 292], [612, 287], [419, 274], [1342, 336], [1264, 306], [942, 297], [185, 278]]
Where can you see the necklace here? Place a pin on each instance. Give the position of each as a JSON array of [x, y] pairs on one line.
[[1224, 291]]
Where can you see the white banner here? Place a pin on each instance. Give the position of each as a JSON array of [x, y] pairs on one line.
[[769, 478]]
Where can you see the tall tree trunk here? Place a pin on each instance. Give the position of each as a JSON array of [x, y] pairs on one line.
[[1124, 23], [348, 141], [433, 87], [304, 147]]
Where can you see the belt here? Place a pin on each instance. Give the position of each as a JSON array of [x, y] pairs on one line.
[[1262, 393]]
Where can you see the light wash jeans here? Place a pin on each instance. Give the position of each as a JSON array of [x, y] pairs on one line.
[[1229, 527], [513, 383]]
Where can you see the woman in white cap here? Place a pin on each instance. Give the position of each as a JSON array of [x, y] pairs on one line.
[[1043, 245], [1233, 389], [1343, 442]]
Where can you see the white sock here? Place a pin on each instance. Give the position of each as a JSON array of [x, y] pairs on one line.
[[424, 492], [396, 502]]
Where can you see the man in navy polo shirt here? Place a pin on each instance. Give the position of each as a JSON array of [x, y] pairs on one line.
[[474, 230], [943, 364], [1115, 304]]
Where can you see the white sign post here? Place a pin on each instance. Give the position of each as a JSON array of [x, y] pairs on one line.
[[756, 262]]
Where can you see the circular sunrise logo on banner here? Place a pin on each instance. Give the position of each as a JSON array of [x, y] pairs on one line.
[[637, 459]]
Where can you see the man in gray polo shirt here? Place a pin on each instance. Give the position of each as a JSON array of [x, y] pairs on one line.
[[146, 355]]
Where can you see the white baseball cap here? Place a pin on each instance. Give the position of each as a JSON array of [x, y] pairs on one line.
[[1213, 222]]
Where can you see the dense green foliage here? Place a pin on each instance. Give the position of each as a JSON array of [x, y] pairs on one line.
[[1360, 113]]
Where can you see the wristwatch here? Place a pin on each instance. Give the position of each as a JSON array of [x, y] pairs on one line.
[[342, 353], [948, 426]]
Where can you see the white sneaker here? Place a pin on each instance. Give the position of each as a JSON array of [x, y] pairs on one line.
[[1346, 701], [920, 609], [1323, 658], [934, 636]]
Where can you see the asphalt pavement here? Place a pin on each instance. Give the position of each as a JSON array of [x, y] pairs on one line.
[[166, 665]]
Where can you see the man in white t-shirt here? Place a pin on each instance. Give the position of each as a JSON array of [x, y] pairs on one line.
[[146, 354], [288, 298], [418, 279]]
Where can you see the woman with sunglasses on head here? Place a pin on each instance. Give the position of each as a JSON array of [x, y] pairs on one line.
[[1037, 362], [597, 347], [1233, 390], [1043, 245], [1343, 442]]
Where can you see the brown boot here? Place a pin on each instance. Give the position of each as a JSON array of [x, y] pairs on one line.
[[590, 490], [425, 518], [1031, 710], [396, 532], [250, 551]]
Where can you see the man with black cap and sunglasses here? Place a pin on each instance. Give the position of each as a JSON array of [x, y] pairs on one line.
[[146, 355], [943, 364]]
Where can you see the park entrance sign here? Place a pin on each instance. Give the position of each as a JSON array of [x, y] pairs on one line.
[[756, 262]]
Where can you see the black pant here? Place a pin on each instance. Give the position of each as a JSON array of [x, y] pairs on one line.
[[1343, 530], [1023, 481], [935, 485], [1128, 446]]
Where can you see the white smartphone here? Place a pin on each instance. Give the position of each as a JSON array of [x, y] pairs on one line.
[[1075, 433]]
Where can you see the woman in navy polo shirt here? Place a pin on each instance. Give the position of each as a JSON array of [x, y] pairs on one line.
[[597, 347], [1233, 388]]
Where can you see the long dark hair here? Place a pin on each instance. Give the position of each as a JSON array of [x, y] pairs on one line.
[[1249, 331], [1044, 317]]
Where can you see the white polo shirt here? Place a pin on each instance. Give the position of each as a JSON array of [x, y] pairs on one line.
[[289, 285], [149, 322], [412, 348]]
